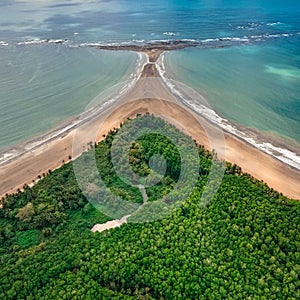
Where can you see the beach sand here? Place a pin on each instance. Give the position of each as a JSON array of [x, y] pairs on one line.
[[149, 95]]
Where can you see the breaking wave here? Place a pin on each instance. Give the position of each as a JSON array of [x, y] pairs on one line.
[[199, 104], [214, 42]]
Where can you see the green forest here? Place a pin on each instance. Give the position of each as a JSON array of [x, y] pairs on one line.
[[243, 244]]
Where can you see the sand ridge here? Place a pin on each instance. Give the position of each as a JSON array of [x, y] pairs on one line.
[[148, 95]]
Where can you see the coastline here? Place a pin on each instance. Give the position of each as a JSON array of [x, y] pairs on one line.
[[7, 154], [57, 150], [283, 149]]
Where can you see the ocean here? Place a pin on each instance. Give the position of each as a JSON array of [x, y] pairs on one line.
[[247, 66]]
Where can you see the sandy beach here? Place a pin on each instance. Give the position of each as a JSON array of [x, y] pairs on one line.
[[148, 95]]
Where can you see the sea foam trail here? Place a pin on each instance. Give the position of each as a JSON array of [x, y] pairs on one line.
[[199, 104], [93, 109], [3, 43], [213, 42]]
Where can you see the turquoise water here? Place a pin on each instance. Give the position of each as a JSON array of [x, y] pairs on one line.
[[253, 81], [253, 86], [125, 20], [42, 86]]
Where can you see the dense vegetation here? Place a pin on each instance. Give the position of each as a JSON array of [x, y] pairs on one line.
[[245, 244]]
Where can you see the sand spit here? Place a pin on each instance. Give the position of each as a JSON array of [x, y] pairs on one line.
[[148, 95]]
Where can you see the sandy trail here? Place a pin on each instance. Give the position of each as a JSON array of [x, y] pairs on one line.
[[150, 95], [117, 223], [109, 224]]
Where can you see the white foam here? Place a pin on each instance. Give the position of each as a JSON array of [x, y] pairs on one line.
[[278, 35], [32, 42], [189, 40], [274, 23], [57, 41], [284, 155], [3, 43], [215, 40], [209, 40], [36, 41], [93, 111], [4, 157], [168, 33]]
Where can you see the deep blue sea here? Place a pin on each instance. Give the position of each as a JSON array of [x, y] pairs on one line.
[[253, 80]]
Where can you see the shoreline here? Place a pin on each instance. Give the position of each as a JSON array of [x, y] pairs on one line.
[[278, 147], [72, 123], [252, 136], [52, 153]]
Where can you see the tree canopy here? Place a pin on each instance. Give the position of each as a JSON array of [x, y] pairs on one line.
[[244, 244]]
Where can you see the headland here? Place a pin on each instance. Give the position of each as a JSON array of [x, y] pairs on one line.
[[146, 96]]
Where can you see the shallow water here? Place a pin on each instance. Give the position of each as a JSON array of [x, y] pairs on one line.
[[254, 81], [42, 86], [253, 86]]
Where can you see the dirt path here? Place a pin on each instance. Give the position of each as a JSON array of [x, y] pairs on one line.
[[144, 194], [117, 223]]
